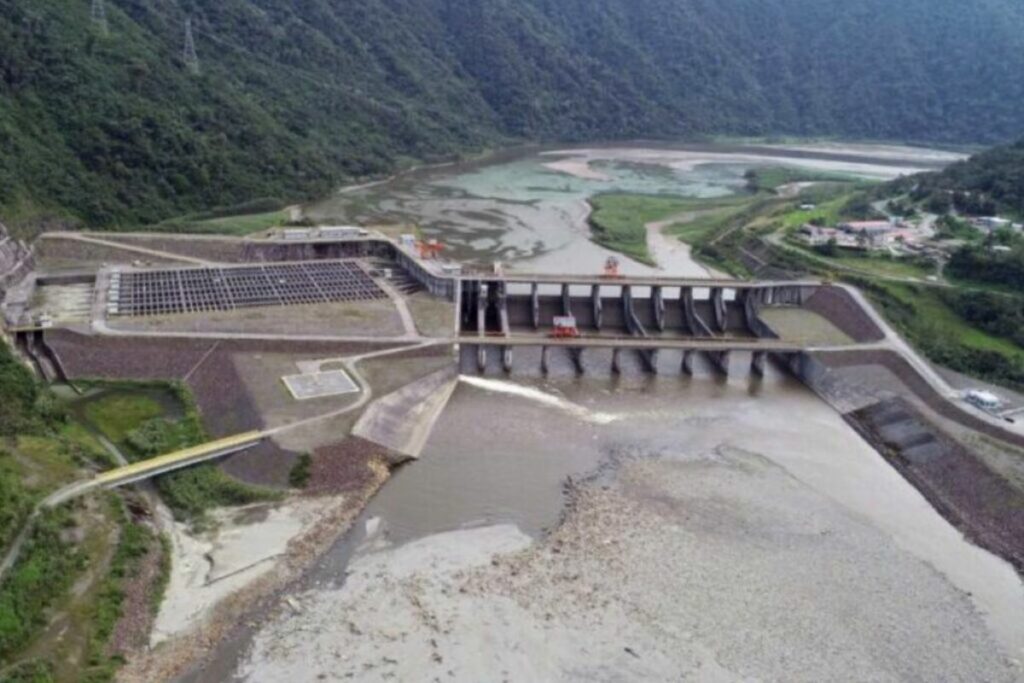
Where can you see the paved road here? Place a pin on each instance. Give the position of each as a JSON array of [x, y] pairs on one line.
[[894, 342], [142, 251], [101, 327]]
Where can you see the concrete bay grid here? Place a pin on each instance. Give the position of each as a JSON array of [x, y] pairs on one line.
[[192, 290], [320, 384]]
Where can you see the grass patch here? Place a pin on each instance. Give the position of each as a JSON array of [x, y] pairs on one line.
[[110, 553], [718, 234], [238, 225], [827, 213], [46, 461], [84, 448], [32, 465], [771, 178], [619, 221], [116, 414], [886, 266], [240, 219], [696, 231], [191, 493], [243, 225]]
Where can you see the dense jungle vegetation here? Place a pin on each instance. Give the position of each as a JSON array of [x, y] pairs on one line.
[[296, 97]]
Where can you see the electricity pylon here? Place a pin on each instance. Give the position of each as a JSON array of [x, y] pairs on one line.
[[189, 55], [99, 16]]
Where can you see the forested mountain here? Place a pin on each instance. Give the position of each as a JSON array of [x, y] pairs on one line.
[[296, 96], [988, 183]]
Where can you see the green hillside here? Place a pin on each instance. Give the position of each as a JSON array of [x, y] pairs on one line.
[[296, 96], [988, 183]]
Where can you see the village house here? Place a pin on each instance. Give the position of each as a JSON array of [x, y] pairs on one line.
[[815, 235], [870, 229]]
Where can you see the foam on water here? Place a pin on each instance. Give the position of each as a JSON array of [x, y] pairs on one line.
[[543, 397]]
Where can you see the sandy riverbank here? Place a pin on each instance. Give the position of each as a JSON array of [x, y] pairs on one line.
[[776, 588], [217, 581], [670, 252], [242, 545], [859, 160], [784, 560]]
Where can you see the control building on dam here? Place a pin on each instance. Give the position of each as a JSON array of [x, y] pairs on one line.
[[642, 316]]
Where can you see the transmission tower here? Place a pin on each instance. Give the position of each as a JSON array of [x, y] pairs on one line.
[[99, 16], [189, 55]]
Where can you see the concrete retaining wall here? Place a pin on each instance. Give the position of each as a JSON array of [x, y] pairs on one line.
[[836, 304], [975, 499], [402, 421], [818, 371]]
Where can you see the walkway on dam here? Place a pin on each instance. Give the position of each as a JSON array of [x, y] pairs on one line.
[[640, 343], [638, 281]]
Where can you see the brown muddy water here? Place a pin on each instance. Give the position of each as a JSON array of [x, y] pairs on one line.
[[503, 450], [499, 459]]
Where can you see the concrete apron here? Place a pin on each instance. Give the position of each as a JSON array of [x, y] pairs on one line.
[[403, 420]]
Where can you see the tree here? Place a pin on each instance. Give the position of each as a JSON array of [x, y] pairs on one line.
[[830, 248]]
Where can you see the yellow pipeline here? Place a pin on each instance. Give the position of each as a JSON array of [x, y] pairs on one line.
[[161, 461]]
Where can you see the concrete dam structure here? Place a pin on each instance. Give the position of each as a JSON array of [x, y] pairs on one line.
[[641, 315]]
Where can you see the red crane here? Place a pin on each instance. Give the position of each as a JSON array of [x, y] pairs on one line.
[[430, 249]]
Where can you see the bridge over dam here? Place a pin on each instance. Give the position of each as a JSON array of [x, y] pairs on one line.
[[643, 315]]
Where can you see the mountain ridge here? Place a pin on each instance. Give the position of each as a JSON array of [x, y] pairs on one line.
[[295, 98]]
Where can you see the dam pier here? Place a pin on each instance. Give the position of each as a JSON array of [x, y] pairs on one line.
[[643, 316]]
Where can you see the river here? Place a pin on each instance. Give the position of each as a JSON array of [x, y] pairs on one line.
[[528, 208], [655, 528]]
